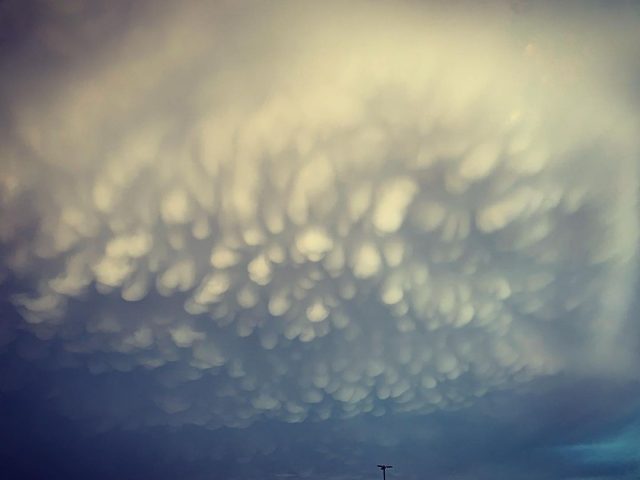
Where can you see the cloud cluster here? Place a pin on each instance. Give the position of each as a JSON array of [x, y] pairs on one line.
[[314, 213]]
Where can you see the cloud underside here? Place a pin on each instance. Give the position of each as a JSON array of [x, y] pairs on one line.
[[316, 221]]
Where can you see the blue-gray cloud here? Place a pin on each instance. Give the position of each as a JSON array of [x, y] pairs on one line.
[[332, 221]]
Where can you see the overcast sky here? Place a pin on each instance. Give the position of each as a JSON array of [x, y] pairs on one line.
[[280, 240]]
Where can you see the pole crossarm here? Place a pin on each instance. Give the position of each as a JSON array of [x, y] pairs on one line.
[[384, 467]]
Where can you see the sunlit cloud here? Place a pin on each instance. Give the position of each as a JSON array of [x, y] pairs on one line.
[[304, 213]]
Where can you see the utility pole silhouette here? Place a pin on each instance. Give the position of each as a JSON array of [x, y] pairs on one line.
[[384, 470]]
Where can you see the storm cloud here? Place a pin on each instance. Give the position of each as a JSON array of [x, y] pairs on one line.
[[222, 215]]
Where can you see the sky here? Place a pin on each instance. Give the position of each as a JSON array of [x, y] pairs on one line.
[[294, 240]]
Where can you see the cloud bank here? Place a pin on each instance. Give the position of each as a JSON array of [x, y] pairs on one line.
[[230, 213]]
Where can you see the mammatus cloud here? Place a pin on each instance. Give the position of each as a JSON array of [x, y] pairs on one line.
[[310, 213]]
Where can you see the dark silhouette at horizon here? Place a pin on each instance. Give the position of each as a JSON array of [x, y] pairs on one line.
[[384, 467]]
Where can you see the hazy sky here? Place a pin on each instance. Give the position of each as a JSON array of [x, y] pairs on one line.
[[279, 240]]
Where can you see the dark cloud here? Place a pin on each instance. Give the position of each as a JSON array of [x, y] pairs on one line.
[[300, 239]]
